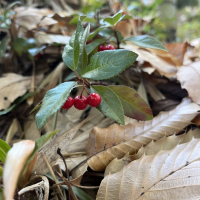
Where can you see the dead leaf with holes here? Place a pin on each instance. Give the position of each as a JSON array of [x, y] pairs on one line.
[[105, 144], [13, 86], [168, 174], [189, 77]]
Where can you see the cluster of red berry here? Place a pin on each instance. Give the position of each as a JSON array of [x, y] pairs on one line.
[[106, 47], [80, 102]]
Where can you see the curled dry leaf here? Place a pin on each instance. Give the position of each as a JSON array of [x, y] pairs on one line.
[[166, 143], [50, 150], [36, 183], [13, 86], [189, 77], [115, 141], [15, 161], [169, 174]]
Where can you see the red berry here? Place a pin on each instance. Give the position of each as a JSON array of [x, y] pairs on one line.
[[88, 42], [102, 48], [110, 47], [94, 99], [38, 55], [80, 103], [69, 103], [106, 47]]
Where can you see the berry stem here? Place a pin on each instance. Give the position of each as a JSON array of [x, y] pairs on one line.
[[109, 38]]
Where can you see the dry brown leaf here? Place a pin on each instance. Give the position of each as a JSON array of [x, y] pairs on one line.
[[189, 77], [115, 141], [177, 49], [15, 161], [124, 27], [13, 86], [162, 66], [166, 143], [50, 150], [169, 174]]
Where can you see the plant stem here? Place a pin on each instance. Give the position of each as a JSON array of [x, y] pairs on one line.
[[118, 42]]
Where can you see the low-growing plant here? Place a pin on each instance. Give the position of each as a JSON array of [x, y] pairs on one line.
[[90, 67]]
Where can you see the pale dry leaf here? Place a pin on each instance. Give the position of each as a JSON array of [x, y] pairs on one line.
[[15, 161], [44, 38], [31, 131], [189, 77], [105, 144], [50, 150], [13, 86], [29, 18], [166, 143], [162, 66], [55, 77], [13, 129], [169, 174]]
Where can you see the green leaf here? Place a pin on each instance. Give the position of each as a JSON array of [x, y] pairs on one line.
[[106, 64], [78, 192], [134, 105], [3, 46], [114, 19], [1, 174], [111, 105], [146, 42], [39, 143], [125, 17], [94, 44], [70, 76], [53, 100], [76, 44], [83, 55], [10, 6], [74, 54], [108, 32], [1, 194], [16, 103], [95, 32], [4, 148]]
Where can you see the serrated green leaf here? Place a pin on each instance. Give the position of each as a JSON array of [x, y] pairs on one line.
[[74, 54], [133, 104], [76, 45], [106, 64], [3, 47], [16, 103], [114, 19], [53, 100], [1, 173], [146, 41], [111, 105], [94, 44], [4, 148], [83, 54], [95, 32]]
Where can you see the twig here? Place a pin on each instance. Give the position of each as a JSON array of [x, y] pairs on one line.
[[66, 169], [52, 173]]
